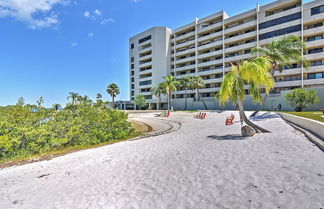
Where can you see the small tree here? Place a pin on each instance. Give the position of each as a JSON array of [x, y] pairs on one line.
[[300, 98], [40, 101], [140, 101], [57, 107], [21, 101]]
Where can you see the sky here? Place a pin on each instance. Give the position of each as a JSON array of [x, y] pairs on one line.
[[49, 48]]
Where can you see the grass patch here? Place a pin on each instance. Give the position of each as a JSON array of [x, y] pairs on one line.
[[314, 115]]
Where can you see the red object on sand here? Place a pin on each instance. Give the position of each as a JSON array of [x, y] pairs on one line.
[[229, 120]]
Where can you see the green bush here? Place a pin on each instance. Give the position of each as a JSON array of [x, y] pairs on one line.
[[28, 130], [299, 98]]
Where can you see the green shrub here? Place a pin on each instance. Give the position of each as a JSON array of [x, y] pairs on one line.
[[28, 130], [300, 98]]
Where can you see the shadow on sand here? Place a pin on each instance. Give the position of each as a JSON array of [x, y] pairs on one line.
[[265, 116], [227, 137]]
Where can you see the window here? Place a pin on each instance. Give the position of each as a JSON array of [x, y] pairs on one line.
[[132, 59], [316, 50], [145, 39], [148, 96], [280, 20], [132, 73], [316, 25], [317, 10], [132, 66], [315, 38], [143, 83], [132, 79], [132, 46], [316, 63], [132, 93], [314, 75], [280, 32], [133, 87]]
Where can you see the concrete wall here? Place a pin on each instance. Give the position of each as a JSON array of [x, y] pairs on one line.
[[311, 125]]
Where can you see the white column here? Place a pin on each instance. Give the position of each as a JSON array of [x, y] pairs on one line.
[[196, 51], [257, 22], [223, 26]]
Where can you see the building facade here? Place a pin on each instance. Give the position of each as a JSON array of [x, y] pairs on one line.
[[206, 47]]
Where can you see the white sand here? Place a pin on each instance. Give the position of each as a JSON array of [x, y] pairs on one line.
[[195, 167]]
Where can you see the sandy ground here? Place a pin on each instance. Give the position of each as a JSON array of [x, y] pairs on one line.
[[200, 164]]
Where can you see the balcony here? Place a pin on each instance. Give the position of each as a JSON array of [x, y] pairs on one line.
[[241, 37], [210, 36], [280, 14], [185, 44], [210, 27], [187, 51], [241, 26], [212, 71], [146, 49], [210, 54], [241, 47], [188, 59], [188, 67], [208, 63], [213, 80], [238, 57], [213, 44], [145, 57], [308, 32], [313, 44], [314, 56], [187, 35], [146, 64]]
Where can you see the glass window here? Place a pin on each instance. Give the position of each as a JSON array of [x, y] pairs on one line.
[[317, 10], [314, 38], [280, 20], [280, 32], [132, 46]]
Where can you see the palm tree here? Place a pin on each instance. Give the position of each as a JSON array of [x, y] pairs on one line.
[[158, 92], [113, 91], [186, 83], [40, 101], [282, 53], [198, 83], [73, 96], [255, 73], [170, 84], [56, 107]]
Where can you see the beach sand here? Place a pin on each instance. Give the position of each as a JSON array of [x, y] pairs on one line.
[[200, 164]]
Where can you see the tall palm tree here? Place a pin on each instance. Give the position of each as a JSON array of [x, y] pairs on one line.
[[186, 83], [74, 97], [40, 101], [198, 83], [280, 53], [113, 91], [56, 107], [158, 92], [170, 85], [255, 73]]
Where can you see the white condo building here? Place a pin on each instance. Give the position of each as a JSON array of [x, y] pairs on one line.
[[207, 46]]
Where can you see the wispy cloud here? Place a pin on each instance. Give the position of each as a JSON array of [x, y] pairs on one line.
[[97, 15], [90, 35], [74, 44], [107, 20], [37, 14]]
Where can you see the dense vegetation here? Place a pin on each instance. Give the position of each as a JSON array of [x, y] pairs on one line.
[[27, 130]]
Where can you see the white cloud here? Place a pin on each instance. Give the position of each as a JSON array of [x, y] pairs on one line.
[[86, 14], [107, 20], [98, 12], [90, 35], [74, 44], [37, 13]]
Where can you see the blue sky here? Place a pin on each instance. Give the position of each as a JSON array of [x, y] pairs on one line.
[[51, 47]]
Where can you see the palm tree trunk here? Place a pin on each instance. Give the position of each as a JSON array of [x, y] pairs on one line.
[[158, 103], [113, 101], [202, 99], [266, 96], [169, 102], [247, 121], [186, 98]]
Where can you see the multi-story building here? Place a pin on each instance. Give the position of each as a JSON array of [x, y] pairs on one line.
[[206, 47]]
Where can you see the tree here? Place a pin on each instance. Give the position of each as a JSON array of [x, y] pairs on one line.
[[198, 83], [140, 101], [300, 98], [281, 53], [170, 85], [56, 107], [113, 91], [21, 101], [40, 101], [186, 82], [74, 97], [158, 92], [255, 73]]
